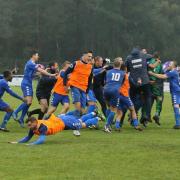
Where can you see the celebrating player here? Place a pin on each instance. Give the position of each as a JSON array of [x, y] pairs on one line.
[[156, 86], [60, 93], [114, 79], [43, 91], [55, 124], [30, 68], [80, 81], [126, 103], [4, 87], [173, 76]]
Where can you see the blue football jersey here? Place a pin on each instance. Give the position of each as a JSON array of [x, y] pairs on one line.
[[174, 81], [114, 79], [4, 87], [29, 70]]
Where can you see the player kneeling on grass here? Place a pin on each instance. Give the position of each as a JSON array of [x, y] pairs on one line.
[[55, 124], [173, 75], [125, 101], [4, 87]]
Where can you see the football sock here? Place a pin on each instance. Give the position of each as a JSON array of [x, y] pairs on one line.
[[90, 122], [20, 108], [177, 116], [24, 112], [6, 119], [84, 118], [110, 118], [91, 108]]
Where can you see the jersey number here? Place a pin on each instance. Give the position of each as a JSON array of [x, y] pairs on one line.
[[115, 76]]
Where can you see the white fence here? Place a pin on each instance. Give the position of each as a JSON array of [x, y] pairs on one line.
[[17, 79], [166, 87]]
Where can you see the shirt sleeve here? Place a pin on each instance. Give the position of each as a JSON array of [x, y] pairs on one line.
[[27, 138], [40, 140], [62, 73], [42, 137], [33, 66], [97, 71], [170, 74], [90, 81], [68, 71], [11, 92], [48, 80]]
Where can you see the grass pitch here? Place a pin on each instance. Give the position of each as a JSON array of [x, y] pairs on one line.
[[128, 155]]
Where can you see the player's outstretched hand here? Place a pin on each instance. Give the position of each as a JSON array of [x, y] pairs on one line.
[[13, 142]]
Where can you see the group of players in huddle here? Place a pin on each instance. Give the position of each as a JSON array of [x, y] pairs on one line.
[[131, 85]]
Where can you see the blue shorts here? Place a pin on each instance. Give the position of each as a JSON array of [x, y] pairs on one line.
[[124, 102], [111, 97], [78, 96], [71, 122], [27, 90], [175, 98], [91, 97], [3, 105], [57, 98]]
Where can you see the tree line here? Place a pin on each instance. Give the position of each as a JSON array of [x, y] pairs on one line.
[[63, 29]]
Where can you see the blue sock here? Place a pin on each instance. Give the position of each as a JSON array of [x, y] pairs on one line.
[[6, 119], [87, 116], [177, 116], [135, 122], [118, 124], [91, 108], [107, 112], [110, 118], [24, 112], [90, 122], [20, 108]]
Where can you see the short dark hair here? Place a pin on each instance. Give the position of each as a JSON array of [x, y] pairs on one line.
[[123, 67], [31, 119], [51, 64], [97, 58], [156, 55], [6, 73], [89, 51], [33, 52]]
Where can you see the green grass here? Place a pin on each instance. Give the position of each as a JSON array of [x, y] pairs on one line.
[[151, 154]]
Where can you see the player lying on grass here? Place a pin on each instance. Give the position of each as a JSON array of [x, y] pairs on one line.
[[55, 124], [4, 87], [173, 75]]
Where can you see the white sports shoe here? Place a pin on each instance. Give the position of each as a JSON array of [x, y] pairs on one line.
[[76, 133], [107, 129]]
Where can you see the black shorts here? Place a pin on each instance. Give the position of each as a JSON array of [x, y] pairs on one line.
[[43, 95]]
